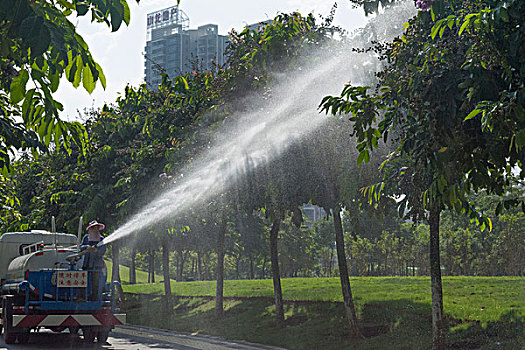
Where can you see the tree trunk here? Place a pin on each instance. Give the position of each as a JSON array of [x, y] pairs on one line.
[[180, 265], [263, 269], [166, 273], [274, 254], [438, 341], [343, 275], [132, 270], [252, 272], [219, 295], [199, 267], [152, 266], [330, 262], [386, 263], [115, 270], [237, 265], [207, 272]]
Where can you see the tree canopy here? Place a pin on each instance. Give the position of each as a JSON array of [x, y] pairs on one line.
[[40, 44], [452, 93]]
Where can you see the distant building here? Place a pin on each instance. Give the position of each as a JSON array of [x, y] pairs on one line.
[[173, 48], [259, 25], [208, 46], [312, 213]]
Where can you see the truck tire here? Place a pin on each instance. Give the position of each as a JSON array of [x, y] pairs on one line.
[[9, 337], [89, 334], [23, 338], [7, 312], [73, 329], [102, 336]]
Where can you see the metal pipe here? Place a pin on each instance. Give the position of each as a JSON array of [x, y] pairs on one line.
[[76, 257], [11, 288], [54, 231], [15, 288], [79, 238]]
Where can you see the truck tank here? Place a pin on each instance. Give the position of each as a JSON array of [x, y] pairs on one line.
[[46, 259], [13, 243]]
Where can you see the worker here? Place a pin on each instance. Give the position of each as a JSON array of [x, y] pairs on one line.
[[94, 258]]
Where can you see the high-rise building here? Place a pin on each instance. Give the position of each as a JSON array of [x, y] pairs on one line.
[[173, 48]]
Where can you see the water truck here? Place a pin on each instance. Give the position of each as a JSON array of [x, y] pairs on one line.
[[43, 286]]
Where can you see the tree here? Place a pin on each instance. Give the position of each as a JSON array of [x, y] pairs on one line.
[[323, 245], [254, 56], [250, 240], [40, 45], [165, 243], [433, 98], [337, 185]]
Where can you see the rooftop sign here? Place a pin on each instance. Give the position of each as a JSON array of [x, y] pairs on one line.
[[165, 17]]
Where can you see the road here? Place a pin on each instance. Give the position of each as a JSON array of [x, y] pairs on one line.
[[132, 338]]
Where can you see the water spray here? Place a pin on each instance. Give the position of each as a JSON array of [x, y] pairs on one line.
[[264, 133]]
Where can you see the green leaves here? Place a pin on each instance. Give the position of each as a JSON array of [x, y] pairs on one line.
[[363, 110], [442, 24], [101, 75], [117, 14], [111, 12], [82, 8], [86, 72], [18, 86], [520, 138], [474, 113], [126, 11], [466, 23], [363, 156], [87, 79], [455, 105], [40, 43], [36, 34]]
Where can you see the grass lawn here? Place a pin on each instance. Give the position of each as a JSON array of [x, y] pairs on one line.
[[482, 312], [142, 276]]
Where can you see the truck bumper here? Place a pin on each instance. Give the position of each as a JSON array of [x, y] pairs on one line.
[[78, 320]]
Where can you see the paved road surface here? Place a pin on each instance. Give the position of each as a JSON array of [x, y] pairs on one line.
[[132, 338]]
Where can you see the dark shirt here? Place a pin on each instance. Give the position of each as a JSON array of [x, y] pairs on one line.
[[92, 260]]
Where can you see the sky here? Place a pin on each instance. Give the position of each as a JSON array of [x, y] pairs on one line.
[[121, 53]]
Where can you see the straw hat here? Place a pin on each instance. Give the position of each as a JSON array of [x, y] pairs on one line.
[[95, 223]]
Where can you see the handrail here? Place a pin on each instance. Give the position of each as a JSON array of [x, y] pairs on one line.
[[31, 248]]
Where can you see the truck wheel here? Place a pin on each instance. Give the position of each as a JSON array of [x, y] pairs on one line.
[[102, 336], [7, 311], [73, 330], [9, 337], [23, 338], [89, 334]]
